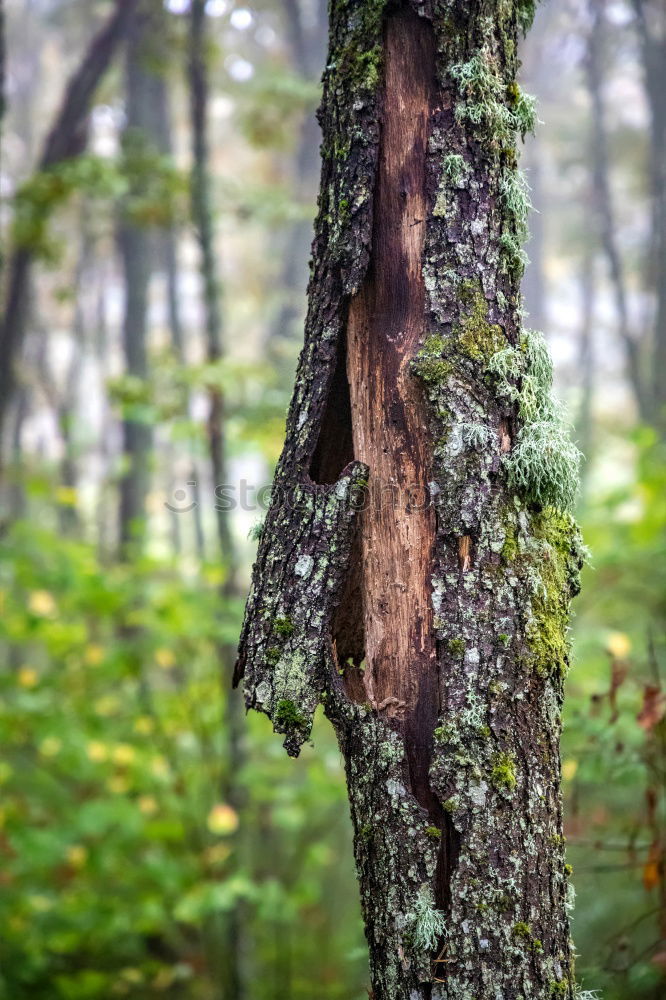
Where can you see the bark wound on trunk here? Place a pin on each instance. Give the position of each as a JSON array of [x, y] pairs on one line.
[[389, 421]]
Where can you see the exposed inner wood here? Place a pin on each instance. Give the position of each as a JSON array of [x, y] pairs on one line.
[[385, 329]]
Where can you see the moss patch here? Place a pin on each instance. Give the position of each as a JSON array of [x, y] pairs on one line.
[[503, 774], [477, 337]]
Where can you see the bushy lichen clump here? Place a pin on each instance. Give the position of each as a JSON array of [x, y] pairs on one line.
[[455, 168], [498, 113], [543, 464], [429, 923]]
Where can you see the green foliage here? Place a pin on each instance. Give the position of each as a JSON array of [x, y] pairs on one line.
[[120, 849], [152, 190]]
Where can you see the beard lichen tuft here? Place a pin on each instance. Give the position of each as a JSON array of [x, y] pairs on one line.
[[429, 923]]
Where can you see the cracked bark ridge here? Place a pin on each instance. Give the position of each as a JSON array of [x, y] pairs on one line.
[[436, 635]]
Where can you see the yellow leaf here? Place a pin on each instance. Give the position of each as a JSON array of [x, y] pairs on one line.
[[41, 602], [222, 819], [123, 754], [148, 805], [117, 784], [144, 725], [108, 704], [569, 768], [77, 855], [28, 677], [94, 654], [217, 854], [97, 751], [160, 767], [618, 644], [50, 747], [66, 495], [165, 658]]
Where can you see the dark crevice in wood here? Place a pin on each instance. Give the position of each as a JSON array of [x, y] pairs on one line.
[[334, 449], [348, 629]]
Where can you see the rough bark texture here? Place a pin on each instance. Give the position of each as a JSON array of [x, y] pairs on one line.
[[433, 633]]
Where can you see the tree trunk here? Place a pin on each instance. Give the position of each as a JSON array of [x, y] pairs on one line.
[[306, 33], [228, 940], [137, 248], [605, 213], [651, 15], [418, 557], [66, 139]]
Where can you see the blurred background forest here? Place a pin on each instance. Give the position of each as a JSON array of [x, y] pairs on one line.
[[155, 229]]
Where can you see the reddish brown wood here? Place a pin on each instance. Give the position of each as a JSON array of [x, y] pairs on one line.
[[385, 329]]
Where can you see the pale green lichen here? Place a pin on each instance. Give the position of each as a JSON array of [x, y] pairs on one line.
[[544, 463], [498, 112], [429, 922], [455, 168]]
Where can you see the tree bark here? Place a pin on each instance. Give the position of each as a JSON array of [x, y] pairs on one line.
[[416, 565]]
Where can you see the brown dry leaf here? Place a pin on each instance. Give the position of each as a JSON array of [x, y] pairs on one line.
[[651, 873], [619, 671], [653, 709]]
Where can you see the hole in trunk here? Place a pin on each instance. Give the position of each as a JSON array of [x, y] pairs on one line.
[[334, 448]]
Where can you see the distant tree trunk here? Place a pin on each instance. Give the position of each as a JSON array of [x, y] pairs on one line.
[[651, 15], [307, 41], [603, 204], [227, 949], [137, 248], [66, 139], [432, 622], [537, 76], [586, 363]]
